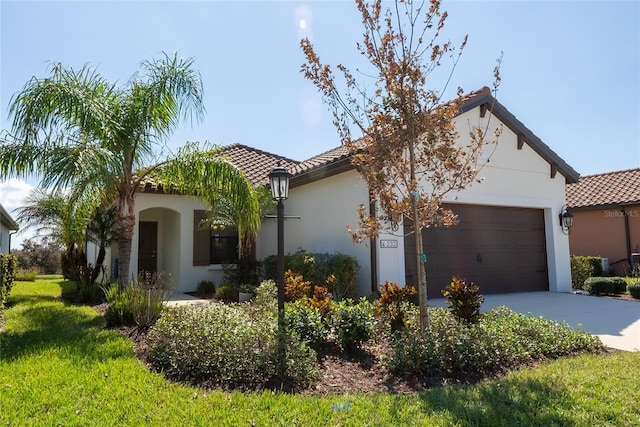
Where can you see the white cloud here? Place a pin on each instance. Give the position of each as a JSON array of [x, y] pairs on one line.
[[13, 193]]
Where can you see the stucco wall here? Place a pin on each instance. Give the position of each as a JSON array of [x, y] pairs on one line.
[[512, 177], [4, 239], [602, 233], [174, 215], [325, 208]]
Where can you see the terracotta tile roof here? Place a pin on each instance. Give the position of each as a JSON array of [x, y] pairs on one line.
[[323, 159], [605, 189], [256, 164]]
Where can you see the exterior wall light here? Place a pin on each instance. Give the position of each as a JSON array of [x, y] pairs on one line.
[[566, 219]]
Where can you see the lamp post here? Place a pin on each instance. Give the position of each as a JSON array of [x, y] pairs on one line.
[[279, 180]]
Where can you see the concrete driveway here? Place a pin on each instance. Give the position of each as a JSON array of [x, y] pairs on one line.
[[616, 322]]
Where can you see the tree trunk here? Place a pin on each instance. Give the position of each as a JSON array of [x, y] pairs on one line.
[[417, 230], [124, 226], [98, 265]]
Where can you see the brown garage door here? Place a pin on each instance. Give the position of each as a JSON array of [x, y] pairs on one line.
[[499, 249]]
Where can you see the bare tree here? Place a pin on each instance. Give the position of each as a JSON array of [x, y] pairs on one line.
[[410, 153]]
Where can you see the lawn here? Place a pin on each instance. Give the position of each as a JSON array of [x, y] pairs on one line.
[[59, 366]]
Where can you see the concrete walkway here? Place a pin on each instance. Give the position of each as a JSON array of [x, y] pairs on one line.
[[184, 299], [616, 322]]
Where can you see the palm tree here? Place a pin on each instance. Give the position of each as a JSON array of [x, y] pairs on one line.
[[72, 223], [77, 130]]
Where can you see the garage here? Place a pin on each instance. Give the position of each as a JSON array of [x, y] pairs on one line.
[[500, 249]]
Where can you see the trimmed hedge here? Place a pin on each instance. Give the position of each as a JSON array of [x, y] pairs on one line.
[[634, 290], [583, 267], [336, 271], [8, 267], [605, 285]]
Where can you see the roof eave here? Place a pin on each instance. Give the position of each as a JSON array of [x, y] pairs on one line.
[[7, 220], [512, 122], [324, 171]]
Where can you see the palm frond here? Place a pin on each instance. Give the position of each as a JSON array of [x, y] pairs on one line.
[[217, 182]]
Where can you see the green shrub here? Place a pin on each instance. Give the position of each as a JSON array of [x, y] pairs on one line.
[[206, 287], [147, 295], [140, 303], [266, 300], [464, 299], [222, 346], [605, 285], [341, 282], [352, 323], [634, 290], [583, 267], [337, 272], [8, 267], [119, 312], [227, 293], [23, 275], [306, 321], [244, 271], [499, 340]]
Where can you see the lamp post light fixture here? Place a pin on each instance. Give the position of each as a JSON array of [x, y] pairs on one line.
[[279, 180], [566, 219]]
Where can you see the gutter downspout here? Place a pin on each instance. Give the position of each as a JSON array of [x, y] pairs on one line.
[[627, 233], [373, 251], [11, 232]]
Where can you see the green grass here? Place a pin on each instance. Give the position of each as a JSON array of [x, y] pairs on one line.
[[58, 366]]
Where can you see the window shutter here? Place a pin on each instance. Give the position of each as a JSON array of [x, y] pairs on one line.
[[201, 240]]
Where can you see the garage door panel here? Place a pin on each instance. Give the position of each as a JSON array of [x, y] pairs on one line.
[[500, 249]]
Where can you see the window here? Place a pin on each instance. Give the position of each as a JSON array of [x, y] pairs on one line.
[[213, 246], [224, 246]]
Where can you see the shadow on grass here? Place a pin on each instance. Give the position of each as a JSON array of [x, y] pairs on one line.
[[506, 402], [41, 323]]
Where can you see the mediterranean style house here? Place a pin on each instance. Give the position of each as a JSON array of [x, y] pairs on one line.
[[508, 238], [7, 225], [606, 211]]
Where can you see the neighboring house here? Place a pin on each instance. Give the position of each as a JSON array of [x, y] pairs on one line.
[[606, 217], [508, 238], [7, 225]]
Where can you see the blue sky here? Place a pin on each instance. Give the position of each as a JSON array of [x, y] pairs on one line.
[[570, 70]]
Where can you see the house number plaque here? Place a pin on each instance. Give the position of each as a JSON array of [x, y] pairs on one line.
[[388, 243]]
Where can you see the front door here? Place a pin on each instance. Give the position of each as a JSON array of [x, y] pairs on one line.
[[148, 247]]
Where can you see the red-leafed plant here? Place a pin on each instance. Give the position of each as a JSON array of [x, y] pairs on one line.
[[464, 299]]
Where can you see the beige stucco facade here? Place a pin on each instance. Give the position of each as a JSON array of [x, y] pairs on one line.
[[520, 171], [612, 233]]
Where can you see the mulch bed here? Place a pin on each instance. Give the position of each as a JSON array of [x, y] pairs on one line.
[[360, 373]]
